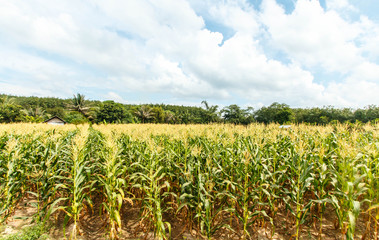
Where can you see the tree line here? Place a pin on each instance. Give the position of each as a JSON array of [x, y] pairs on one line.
[[79, 110]]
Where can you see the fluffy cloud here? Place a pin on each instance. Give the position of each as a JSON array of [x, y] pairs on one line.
[[36, 75], [238, 15], [359, 93], [312, 36], [339, 4], [369, 38], [166, 48], [115, 97]]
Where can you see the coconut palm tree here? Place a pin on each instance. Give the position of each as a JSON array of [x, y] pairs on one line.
[[79, 104], [169, 116], [144, 113], [35, 115], [37, 112], [5, 101], [211, 114]]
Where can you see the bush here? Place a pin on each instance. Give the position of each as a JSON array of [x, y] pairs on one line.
[[36, 232]]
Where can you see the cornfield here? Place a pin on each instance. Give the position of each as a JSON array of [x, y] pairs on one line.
[[214, 181]]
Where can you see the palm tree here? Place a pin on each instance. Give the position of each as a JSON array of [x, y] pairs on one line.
[[211, 112], [186, 117], [144, 113], [37, 112], [79, 104], [35, 115], [5, 101], [169, 116], [234, 114]]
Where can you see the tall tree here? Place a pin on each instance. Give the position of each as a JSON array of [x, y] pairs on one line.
[[79, 104], [169, 117], [5, 101], [111, 112], [159, 114], [144, 113], [210, 114], [233, 114], [35, 115], [186, 117], [10, 112], [276, 112]]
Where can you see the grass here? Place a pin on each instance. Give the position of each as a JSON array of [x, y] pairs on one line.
[[36, 232]]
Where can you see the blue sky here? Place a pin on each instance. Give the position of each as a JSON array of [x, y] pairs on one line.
[[304, 53]]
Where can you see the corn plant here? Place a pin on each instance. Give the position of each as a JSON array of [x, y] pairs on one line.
[[247, 194], [321, 182], [349, 187], [150, 178], [12, 178], [113, 184], [371, 157], [73, 176], [208, 195], [185, 195], [42, 167], [299, 178], [212, 179]]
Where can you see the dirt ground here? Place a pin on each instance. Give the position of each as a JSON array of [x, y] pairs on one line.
[[94, 227]]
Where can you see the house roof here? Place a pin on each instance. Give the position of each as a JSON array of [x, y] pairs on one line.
[[55, 117]]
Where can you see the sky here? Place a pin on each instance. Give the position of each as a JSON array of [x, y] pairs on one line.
[[305, 53]]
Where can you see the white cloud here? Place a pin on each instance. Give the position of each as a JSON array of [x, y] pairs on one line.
[[312, 36], [37, 75], [168, 76], [353, 93], [115, 97], [237, 15], [164, 47], [369, 37], [340, 5], [19, 90], [366, 71]]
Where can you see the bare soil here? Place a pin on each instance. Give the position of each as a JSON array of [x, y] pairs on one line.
[[22, 217], [94, 226]]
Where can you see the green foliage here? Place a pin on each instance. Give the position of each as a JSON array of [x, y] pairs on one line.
[[159, 114], [111, 112], [75, 118], [234, 114], [328, 114], [56, 111], [36, 232], [35, 109], [277, 113], [11, 113], [144, 113], [210, 114], [79, 104]]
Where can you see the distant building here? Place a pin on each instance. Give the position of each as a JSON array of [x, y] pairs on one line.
[[55, 121], [285, 126]]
